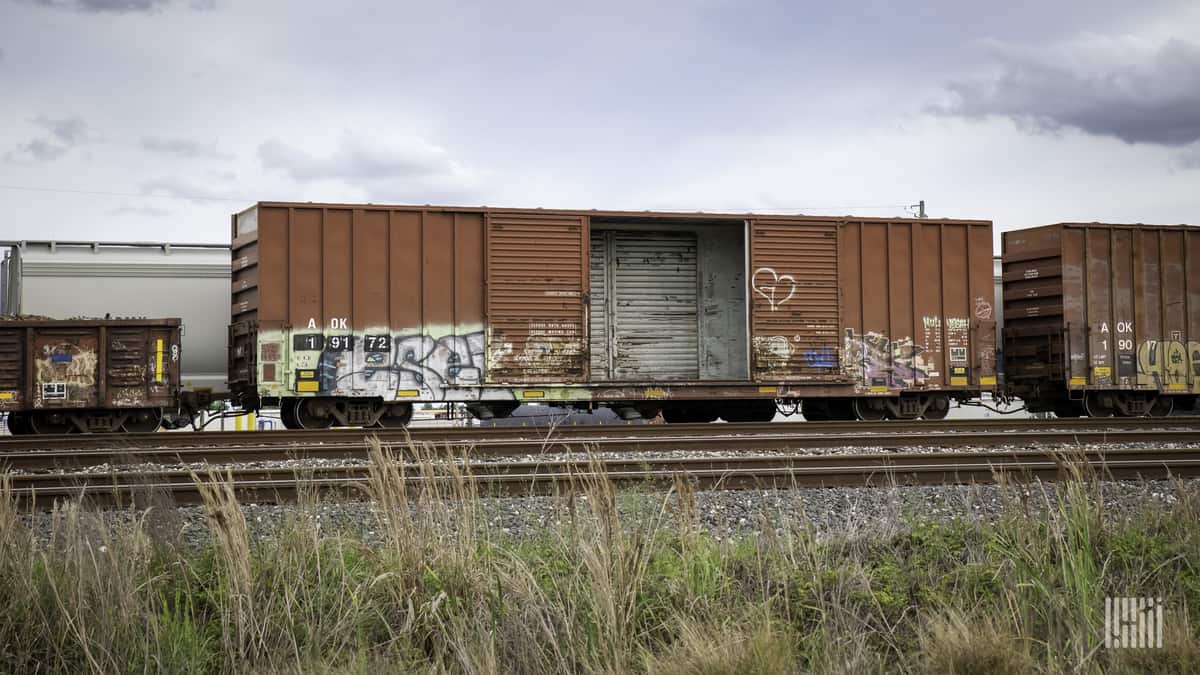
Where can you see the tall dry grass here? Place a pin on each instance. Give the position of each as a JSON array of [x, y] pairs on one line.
[[628, 582]]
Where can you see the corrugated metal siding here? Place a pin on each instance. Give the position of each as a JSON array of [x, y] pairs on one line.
[[535, 288], [1107, 306], [655, 322], [794, 306], [12, 367], [599, 331], [1033, 305], [917, 304], [403, 289]]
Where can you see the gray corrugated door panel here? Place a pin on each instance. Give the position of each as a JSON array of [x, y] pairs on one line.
[[654, 316], [601, 366]]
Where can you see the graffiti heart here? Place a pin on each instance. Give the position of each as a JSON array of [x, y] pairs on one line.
[[769, 284]]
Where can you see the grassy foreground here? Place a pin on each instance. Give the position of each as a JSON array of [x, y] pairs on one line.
[[598, 594]]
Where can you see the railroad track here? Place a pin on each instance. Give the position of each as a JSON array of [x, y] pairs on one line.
[[272, 485], [543, 434], [720, 438]]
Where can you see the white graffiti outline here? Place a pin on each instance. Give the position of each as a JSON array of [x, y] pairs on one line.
[[983, 309], [768, 290]]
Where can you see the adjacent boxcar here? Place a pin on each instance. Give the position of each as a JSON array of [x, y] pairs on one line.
[[1102, 319], [88, 375], [349, 314], [63, 279]]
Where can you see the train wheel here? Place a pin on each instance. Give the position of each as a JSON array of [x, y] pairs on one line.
[[18, 424], [1098, 404], [313, 413], [870, 409], [395, 416], [1162, 406], [938, 408], [815, 410], [50, 423], [144, 420], [841, 409], [287, 414]]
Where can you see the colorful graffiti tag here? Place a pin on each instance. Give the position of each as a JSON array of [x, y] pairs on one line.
[[881, 361]]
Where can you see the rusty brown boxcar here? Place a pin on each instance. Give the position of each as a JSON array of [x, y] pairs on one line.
[[78, 375], [1102, 319], [349, 314]]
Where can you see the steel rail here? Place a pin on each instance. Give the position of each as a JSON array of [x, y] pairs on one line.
[[272, 485], [703, 439], [467, 435]]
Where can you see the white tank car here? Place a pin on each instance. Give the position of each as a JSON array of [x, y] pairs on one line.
[[62, 280]]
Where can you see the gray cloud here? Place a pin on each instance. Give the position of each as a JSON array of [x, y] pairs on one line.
[[122, 6], [70, 131], [356, 157], [37, 150], [182, 147], [64, 134], [1121, 87]]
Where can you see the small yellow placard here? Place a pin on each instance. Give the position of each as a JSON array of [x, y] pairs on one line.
[[534, 394], [158, 358], [307, 374], [878, 389], [767, 390], [1078, 380], [991, 379], [655, 393], [958, 381], [308, 386], [7, 395], [1102, 371], [408, 393], [1176, 386]]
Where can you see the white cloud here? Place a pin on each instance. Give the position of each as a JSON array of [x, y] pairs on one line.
[[386, 168]]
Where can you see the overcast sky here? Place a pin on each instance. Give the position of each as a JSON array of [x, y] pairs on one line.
[[184, 111]]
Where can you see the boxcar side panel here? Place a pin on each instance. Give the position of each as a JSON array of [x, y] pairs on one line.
[[794, 303], [917, 306], [981, 312], [369, 301], [536, 282]]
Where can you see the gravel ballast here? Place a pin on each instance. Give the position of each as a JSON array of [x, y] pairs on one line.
[[722, 515]]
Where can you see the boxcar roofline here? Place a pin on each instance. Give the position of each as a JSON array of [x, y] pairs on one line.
[[618, 214]]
